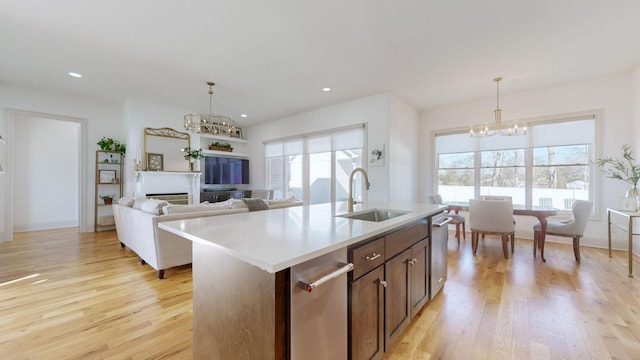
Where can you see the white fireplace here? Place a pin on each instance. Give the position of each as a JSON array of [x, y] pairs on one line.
[[168, 182]]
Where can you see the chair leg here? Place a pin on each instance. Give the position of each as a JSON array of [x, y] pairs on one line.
[[505, 245], [464, 232], [576, 247], [535, 242], [474, 241], [513, 239], [458, 233]]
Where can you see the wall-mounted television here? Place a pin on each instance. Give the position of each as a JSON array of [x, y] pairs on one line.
[[219, 170]]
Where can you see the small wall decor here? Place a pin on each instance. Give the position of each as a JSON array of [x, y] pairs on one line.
[[155, 162], [107, 176], [376, 155]]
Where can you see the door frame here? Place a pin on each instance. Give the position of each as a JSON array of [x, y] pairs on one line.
[[82, 169]]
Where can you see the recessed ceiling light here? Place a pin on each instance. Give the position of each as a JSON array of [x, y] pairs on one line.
[[243, 115], [75, 74], [326, 89]]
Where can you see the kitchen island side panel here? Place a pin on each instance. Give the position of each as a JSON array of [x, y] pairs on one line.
[[235, 308]]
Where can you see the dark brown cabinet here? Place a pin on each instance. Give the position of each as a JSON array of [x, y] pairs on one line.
[[419, 276], [223, 195], [397, 313], [387, 288], [366, 320]]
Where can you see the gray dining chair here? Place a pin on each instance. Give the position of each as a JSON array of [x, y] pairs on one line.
[[573, 227], [492, 217], [456, 219]]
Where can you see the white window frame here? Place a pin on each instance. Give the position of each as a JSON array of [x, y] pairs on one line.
[[304, 138], [594, 195]]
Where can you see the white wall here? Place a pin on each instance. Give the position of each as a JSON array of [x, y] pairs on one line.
[[102, 118], [612, 94], [635, 98], [46, 181], [372, 110], [403, 155], [4, 183], [137, 116]]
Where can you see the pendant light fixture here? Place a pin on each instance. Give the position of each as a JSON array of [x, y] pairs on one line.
[[209, 124], [497, 129]]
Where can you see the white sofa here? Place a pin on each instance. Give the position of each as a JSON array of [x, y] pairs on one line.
[[137, 227]]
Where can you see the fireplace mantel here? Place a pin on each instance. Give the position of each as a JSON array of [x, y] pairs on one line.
[[149, 182]]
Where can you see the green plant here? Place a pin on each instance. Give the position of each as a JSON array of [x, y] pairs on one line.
[[192, 154], [109, 144], [120, 147], [221, 144], [106, 144], [107, 196], [623, 169]]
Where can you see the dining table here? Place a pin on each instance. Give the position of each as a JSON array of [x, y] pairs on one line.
[[539, 212]]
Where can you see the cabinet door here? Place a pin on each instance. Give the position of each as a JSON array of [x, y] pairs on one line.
[[397, 310], [419, 276], [366, 316]]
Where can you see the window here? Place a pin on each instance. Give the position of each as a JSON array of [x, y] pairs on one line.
[[551, 166], [324, 159], [560, 175]]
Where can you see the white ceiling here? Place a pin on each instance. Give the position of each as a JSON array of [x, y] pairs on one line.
[[270, 59]]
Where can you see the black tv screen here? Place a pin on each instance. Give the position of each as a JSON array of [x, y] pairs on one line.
[[225, 170]]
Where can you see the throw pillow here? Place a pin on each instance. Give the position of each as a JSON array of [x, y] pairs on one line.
[[153, 206], [126, 201], [255, 204]]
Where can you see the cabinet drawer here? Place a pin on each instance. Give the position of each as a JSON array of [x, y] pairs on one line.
[[403, 239], [366, 257]]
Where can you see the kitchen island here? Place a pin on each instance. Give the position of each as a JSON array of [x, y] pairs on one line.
[[250, 272]]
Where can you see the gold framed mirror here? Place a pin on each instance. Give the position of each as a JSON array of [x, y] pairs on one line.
[[165, 144]]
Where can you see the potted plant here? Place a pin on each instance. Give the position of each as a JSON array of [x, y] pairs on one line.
[[192, 156], [624, 169], [221, 146], [106, 144], [108, 199], [109, 144]]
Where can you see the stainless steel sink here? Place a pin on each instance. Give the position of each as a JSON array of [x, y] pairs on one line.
[[375, 215]]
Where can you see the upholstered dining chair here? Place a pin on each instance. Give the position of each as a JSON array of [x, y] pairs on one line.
[[456, 219], [573, 227], [492, 217], [497, 197]]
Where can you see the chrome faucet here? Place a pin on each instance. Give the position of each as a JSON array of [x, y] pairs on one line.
[[350, 201]]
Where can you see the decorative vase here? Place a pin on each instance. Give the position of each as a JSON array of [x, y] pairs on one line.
[[633, 193], [108, 201]]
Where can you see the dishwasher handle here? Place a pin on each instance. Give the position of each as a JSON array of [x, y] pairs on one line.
[[443, 222], [310, 286]]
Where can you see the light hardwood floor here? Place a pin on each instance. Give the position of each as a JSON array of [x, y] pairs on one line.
[[66, 295]]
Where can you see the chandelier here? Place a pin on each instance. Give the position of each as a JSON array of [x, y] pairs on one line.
[[209, 124], [485, 131]]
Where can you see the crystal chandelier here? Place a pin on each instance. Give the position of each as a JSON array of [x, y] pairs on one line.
[[484, 130], [209, 124]]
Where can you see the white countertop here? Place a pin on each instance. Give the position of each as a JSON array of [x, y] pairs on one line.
[[277, 239]]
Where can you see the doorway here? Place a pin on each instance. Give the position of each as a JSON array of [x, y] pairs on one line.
[[47, 172]]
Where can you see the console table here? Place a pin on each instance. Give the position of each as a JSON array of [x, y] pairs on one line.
[[628, 227]]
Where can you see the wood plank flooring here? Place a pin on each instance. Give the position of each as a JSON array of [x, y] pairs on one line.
[[70, 295]]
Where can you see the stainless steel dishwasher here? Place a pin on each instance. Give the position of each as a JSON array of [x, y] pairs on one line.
[[319, 307], [439, 253]]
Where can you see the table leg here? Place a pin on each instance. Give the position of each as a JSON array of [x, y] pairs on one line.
[[609, 230], [630, 246], [543, 232]]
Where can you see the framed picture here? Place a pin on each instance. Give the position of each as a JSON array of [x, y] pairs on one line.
[[155, 162], [107, 176], [236, 133], [376, 155]]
